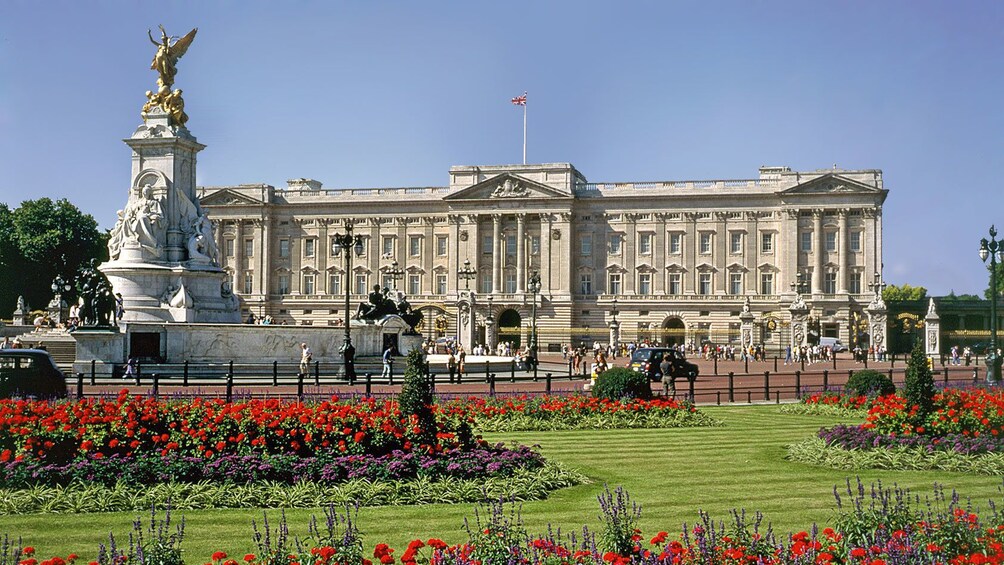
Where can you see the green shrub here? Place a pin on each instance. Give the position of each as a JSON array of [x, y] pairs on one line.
[[869, 383], [919, 387], [416, 397], [619, 383]]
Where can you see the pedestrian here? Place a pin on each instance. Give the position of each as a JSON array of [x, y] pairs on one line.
[[451, 365], [461, 361], [387, 361], [666, 368], [6, 343], [306, 356], [119, 306], [130, 371]]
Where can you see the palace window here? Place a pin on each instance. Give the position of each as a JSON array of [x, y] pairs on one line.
[[249, 248], [855, 241], [645, 283], [336, 249], [735, 283], [486, 283], [766, 283], [615, 244], [645, 243], [614, 284], [308, 284], [229, 245], [674, 283], [283, 284], [283, 248], [805, 241], [386, 281], [487, 243], [766, 242], [586, 244], [248, 283], [704, 283], [335, 284], [441, 243], [510, 245], [706, 243], [675, 243], [585, 283], [534, 245], [414, 246], [414, 284], [829, 283], [510, 283], [440, 284], [308, 247], [361, 284], [736, 243], [831, 241], [854, 286], [387, 244]]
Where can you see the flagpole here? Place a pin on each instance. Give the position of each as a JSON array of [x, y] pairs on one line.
[[524, 130]]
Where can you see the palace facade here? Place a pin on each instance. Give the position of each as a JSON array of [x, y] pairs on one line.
[[669, 261]]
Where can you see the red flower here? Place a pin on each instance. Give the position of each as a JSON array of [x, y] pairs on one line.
[[219, 556]]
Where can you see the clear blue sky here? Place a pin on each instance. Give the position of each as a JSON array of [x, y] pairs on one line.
[[371, 94]]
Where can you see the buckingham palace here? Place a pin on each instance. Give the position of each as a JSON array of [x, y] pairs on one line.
[[668, 261]]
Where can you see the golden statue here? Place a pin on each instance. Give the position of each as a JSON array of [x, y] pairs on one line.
[[164, 62], [167, 55]]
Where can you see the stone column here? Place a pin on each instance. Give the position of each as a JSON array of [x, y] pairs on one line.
[[932, 331], [520, 252], [877, 320], [746, 325], [545, 252], [842, 265], [629, 249], [799, 318], [615, 332], [817, 255], [497, 251], [467, 319], [321, 252]]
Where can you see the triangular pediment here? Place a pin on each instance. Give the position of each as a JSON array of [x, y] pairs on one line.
[[507, 186], [227, 197], [832, 183]]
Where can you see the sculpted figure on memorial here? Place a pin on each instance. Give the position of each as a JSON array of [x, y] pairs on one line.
[[165, 63], [404, 310], [97, 300], [166, 58], [143, 221], [201, 245]]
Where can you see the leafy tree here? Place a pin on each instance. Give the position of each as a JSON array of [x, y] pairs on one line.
[[952, 297], [904, 292], [416, 395], [1000, 282], [39, 240], [919, 386]]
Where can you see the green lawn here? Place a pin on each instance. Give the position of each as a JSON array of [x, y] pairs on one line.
[[672, 473]]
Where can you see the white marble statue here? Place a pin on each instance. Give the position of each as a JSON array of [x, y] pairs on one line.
[[201, 244], [141, 222]]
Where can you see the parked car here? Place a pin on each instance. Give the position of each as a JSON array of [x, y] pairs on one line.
[[30, 373], [833, 343], [647, 360]]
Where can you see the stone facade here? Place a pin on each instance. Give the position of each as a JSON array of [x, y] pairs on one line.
[[676, 260]]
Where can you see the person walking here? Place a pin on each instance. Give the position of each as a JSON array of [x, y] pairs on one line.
[[388, 355], [461, 361], [306, 356], [451, 365]]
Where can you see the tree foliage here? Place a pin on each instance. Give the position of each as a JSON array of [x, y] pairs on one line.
[[903, 292], [41, 239], [416, 393], [952, 297], [1000, 282], [919, 385]]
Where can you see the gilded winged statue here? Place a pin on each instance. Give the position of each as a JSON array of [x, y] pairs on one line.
[[164, 62], [168, 54]]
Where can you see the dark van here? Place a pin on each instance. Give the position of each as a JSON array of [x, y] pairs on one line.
[[28, 373], [647, 360]]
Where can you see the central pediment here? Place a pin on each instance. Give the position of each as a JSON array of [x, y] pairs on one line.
[[832, 183], [507, 186]]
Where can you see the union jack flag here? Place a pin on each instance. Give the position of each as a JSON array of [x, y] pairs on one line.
[[520, 100]]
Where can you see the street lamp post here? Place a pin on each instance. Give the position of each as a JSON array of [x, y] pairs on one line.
[[533, 285], [489, 322], [59, 287], [349, 243], [394, 273], [467, 273], [990, 250]]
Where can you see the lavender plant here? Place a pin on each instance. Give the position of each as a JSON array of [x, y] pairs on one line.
[[620, 520]]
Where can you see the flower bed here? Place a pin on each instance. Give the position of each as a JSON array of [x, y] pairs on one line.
[[830, 404], [884, 529], [525, 413], [963, 432]]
